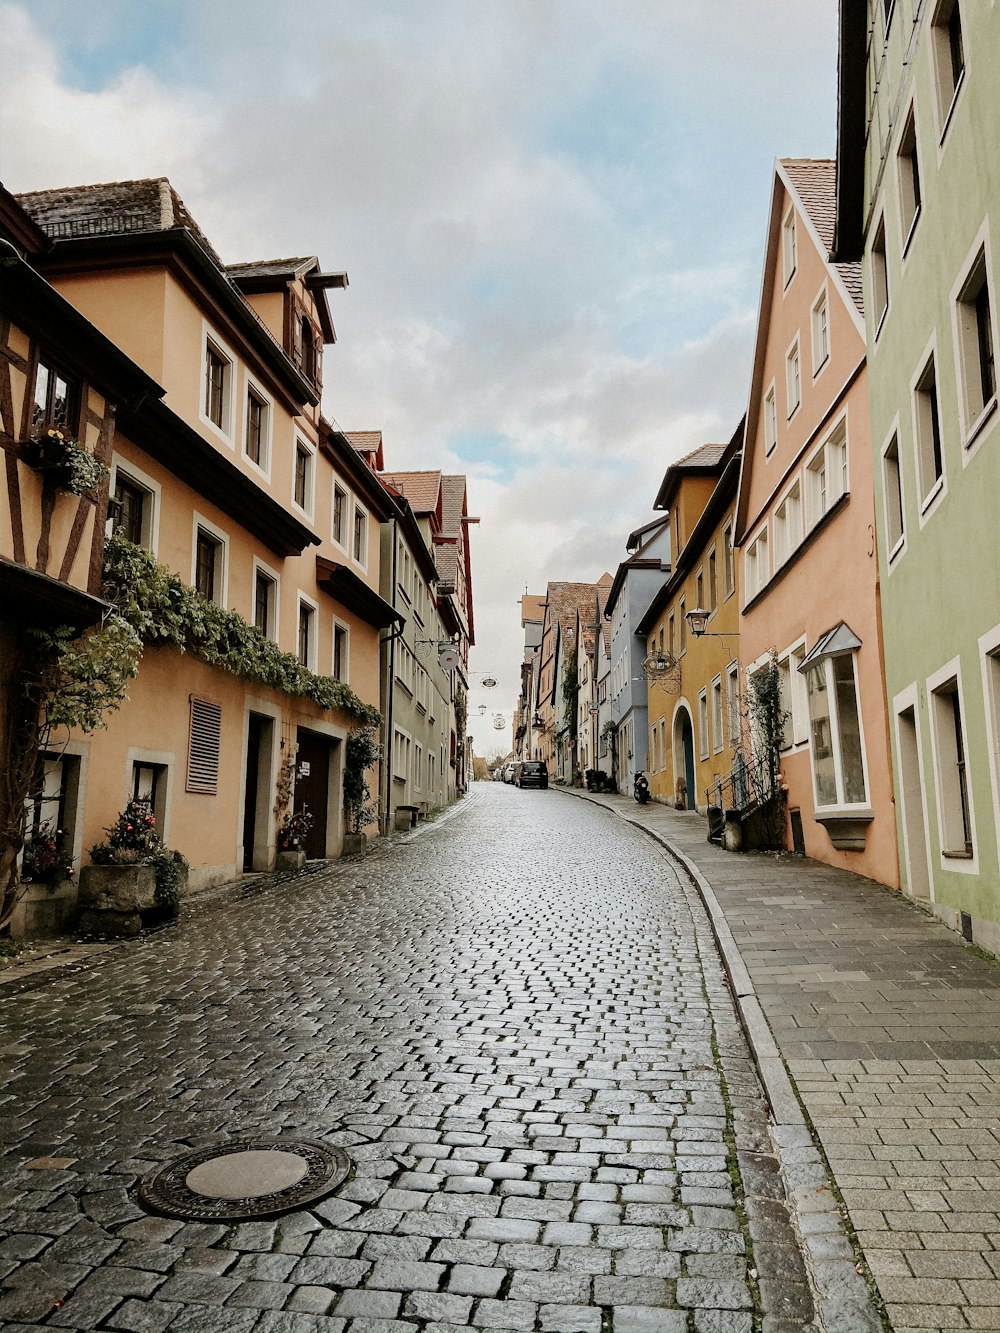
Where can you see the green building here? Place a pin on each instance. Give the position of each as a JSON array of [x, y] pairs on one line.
[[918, 200]]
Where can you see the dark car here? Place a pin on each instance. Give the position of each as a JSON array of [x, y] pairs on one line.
[[531, 773]]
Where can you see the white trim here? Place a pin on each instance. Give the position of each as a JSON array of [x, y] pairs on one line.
[[846, 807], [903, 702], [906, 237], [359, 508], [878, 321], [895, 553], [718, 741], [974, 431], [796, 347], [770, 397], [341, 625], [309, 508], [275, 577], [221, 597], [338, 485], [146, 483], [927, 502], [822, 299], [943, 116], [952, 671], [304, 598], [989, 648], [704, 738], [251, 384], [226, 432]]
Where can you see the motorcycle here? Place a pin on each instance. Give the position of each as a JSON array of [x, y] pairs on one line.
[[641, 788]]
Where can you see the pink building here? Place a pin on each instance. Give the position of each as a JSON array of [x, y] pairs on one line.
[[805, 528]]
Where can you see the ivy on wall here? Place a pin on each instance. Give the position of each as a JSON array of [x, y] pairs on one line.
[[165, 611]]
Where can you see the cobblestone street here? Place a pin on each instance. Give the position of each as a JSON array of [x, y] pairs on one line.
[[516, 1023]]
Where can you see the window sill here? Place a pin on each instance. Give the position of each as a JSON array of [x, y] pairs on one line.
[[818, 370], [909, 235], [927, 503], [880, 324], [794, 410], [896, 553], [981, 422], [846, 827], [957, 856]]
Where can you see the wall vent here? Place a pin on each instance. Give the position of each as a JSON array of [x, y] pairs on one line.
[[203, 747]]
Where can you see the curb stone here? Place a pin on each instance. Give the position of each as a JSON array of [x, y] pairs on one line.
[[841, 1293]]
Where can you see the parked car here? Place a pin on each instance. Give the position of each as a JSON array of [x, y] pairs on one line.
[[532, 773], [508, 771]]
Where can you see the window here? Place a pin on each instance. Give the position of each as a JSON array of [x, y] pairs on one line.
[[699, 585], [793, 379], [209, 565], [360, 547], [703, 740], [56, 401], [713, 583], [302, 486], [879, 277], [826, 475], [308, 344], [930, 463], [952, 778], [835, 732], [218, 387], [670, 634], [339, 515], [820, 333], [794, 701], [974, 316], [132, 517], [681, 610], [788, 246], [770, 421], [728, 562], [257, 425], [264, 604], [307, 635], [758, 569], [787, 525], [718, 737], [733, 701], [892, 490], [908, 170], [340, 652], [204, 747], [149, 784], [949, 58]]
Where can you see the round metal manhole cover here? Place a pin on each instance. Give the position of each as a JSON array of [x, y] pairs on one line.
[[244, 1180]]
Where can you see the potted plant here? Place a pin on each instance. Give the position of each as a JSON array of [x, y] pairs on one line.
[[44, 860], [72, 467], [291, 839], [132, 872]]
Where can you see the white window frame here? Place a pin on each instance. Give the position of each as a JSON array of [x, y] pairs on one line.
[[704, 739], [757, 564], [728, 560], [770, 420], [226, 432], [989, 657], [789, 247], [962, 865], [718, 716], [143, 482], [259, 566], [786, 541], [309, 449], [345, 629], [945, 100], [978, 418], [253, 386], [878, 271], [820, 331], [734, 722], [360, 509], [835, 469], [303, 599], [908, 701], [793, 376], [908, 171], [347, 511], [797, 727], [222, 568], [894, 550], [847, 807], [929, 500]]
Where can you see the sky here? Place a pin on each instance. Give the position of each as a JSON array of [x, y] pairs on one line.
[[552, 214]]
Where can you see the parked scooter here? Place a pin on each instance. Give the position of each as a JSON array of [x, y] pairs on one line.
[[641, 788]]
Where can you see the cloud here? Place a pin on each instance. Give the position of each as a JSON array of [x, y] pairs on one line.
[[552, 213]]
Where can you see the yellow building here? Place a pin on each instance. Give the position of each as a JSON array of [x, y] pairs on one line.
[[695, 720]]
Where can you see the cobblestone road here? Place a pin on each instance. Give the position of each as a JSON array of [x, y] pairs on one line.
[[517, 1026]]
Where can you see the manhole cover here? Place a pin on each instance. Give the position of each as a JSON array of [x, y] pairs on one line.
[[245, 1179]]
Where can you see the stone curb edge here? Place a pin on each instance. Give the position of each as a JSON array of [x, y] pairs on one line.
[[843, 1301]]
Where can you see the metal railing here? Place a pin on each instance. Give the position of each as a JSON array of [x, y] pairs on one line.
[[749, 784]]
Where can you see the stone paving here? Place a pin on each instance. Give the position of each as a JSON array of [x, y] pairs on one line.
[[890, 1028], [519, 1028]]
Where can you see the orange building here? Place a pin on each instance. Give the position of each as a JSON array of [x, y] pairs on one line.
[[224, 472], [805, 531]]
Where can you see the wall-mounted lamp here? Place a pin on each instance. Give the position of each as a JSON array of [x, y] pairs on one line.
[[698, 624]]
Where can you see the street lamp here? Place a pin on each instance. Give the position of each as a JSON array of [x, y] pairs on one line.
[[698, 624]]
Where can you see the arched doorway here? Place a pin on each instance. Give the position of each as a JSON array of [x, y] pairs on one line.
[[684, 755]]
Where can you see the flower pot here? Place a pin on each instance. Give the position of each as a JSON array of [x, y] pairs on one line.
[[355, 844], [292, 859], [113, 897]]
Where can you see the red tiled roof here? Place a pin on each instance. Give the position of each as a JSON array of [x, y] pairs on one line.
[[365, 441], [532, 608], [815, 182]]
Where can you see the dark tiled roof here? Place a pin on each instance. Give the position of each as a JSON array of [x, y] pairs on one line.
[[815, 182], [706, 455], [272, 268], [112, 209], [453, 505]]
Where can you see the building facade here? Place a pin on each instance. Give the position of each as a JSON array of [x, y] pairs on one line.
[[918, 202]]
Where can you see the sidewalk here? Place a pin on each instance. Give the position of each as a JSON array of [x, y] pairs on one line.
[[889, 1026]]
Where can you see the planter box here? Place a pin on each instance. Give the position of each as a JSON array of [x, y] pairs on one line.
[[355, 844], [291, 860], [114, 897]]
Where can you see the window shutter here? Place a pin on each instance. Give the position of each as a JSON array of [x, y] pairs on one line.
[[203, 747]]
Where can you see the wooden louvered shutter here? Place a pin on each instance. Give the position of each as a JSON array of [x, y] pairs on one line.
[[203, 747]]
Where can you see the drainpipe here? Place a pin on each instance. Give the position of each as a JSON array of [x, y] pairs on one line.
[[390, 692]]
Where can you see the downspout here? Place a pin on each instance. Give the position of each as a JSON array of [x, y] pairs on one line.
[[390, 692]]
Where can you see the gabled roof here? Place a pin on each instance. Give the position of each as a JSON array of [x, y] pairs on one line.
[[638, 537], [454, 506], [369, 444], [422, 489], [269, 275], [273, 268], [700, 462], [811, 185], [563, 601]]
